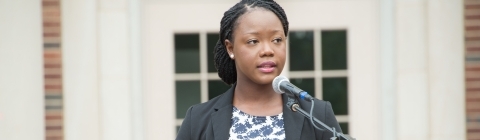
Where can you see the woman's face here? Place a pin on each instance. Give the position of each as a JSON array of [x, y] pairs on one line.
[[259, 46]]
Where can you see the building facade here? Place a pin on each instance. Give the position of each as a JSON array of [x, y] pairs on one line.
[[129, 69]]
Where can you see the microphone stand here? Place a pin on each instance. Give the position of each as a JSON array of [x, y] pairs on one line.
[[296, 108]]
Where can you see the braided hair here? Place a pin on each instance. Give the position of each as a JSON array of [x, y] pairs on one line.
[[223, 63]]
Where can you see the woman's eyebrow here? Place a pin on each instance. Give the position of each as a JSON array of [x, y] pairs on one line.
[[256, 32]]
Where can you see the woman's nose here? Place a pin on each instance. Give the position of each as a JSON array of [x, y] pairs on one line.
[[267, 50]]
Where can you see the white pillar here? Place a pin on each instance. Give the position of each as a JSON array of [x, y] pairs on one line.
[[388, 70], [446, 70], [158, 70], [102, 68], [22, 109], [80, 70], [136, 61], [412, 70], [114, 70]]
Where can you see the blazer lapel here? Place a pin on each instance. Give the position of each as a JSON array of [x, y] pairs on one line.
[[293, 121], [221, 118]]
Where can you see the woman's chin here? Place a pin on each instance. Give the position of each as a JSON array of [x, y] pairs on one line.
[[265, 79]]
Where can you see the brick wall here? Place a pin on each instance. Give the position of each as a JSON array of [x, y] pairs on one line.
[[472, 67], [53, 69]]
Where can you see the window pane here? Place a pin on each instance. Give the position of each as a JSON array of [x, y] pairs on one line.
[[307, 84], [212, 39], [187, 57], [216, 87], [301, 50], [335, 91], [334, 50], [187, 94], [344, 127]]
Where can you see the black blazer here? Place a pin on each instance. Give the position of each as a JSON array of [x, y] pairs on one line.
[[212, 120]]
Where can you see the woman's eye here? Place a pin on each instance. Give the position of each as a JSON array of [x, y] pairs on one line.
[[252, 41], [277, 40]]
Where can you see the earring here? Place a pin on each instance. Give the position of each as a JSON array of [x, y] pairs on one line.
[[231, 56]]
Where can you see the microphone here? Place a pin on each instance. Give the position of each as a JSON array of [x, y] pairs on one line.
[[281, 84]]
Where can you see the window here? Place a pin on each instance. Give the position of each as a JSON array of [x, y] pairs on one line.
[[196, 79], [318, 65], [317, 60]]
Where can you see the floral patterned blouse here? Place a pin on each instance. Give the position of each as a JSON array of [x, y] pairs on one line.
[[247, 127]]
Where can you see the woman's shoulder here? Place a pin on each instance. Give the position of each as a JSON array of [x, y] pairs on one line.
[[207, 106]]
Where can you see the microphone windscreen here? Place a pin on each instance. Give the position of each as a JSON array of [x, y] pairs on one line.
[[276, 83]]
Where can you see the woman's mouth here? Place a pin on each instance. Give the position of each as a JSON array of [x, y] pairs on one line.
[[267, 66]]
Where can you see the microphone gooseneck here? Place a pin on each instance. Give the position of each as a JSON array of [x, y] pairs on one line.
[[281, 85]]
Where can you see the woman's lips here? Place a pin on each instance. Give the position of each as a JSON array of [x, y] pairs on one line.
[[267, 66]]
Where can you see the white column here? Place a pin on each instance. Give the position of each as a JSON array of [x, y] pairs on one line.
[[412, 70], [80, 70], [22, 109], [388, 68], [114, 70], [446, 70], [158, 55], [364, 91], [135, 20]]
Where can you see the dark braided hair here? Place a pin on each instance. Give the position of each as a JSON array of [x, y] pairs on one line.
[[224, 64]]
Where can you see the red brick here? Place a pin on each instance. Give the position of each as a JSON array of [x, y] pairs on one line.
[[473, 27], [53, 86], [472, 69], [471, 49], [472, 6], [472, 17], [51, 34], [50, 3], [53, 127], [473, 99], [473, 79], [51, 24], [51, 117], [52, 66], [472, 38]]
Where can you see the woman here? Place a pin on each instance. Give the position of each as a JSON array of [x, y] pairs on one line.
[[248, 56]]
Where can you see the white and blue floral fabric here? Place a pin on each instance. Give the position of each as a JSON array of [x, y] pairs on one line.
[[248, 127]]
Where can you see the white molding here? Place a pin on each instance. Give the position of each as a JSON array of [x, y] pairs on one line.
[[334, 73], [187, 76], [446, 56], [135, 45], [114, 67], [80, 70], [342, 118], [317, 61], [412, 112], [178, 122], [388, 79], [324, 74], [203, 67], [22, 89]]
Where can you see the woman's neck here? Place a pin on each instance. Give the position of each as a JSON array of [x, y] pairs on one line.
[[255, 99], [254, 92]]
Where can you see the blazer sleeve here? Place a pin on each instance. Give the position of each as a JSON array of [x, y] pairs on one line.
[[186, 129], [331, 121]]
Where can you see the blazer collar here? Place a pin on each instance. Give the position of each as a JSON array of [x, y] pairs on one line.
[[293, 121], [221, 118]]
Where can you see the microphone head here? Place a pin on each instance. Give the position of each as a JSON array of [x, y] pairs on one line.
[[276, 83]]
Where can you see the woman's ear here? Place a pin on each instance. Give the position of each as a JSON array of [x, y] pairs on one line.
[[229, 47]]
